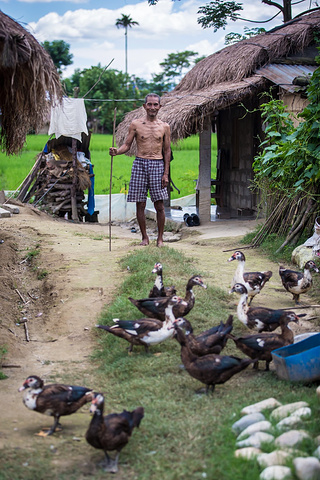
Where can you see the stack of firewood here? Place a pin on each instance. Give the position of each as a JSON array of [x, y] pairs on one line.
[[51, 183]]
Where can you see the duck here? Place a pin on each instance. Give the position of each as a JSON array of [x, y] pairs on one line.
[[297, 282], [146, 331], [158, 289], [253, 281], [211, 369], [55, 399], [259, 346], [111, 432], [212, 340], [155, 307], [262, 319]]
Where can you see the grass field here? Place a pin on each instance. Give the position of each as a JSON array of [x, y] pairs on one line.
[[184, 167]]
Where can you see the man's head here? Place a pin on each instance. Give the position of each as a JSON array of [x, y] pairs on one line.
[[152, 104]]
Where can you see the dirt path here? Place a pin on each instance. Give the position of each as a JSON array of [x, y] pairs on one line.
[[62, 307]]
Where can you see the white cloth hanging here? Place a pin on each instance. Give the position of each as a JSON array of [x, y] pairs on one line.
[[69, 119]]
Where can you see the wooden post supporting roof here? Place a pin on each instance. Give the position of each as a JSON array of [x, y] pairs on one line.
[[204, 179], [74, 207]]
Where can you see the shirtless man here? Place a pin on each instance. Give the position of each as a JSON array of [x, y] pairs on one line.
[[150, 169]]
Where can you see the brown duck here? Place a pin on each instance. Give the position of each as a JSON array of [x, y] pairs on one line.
[[155, 307], [212, 340], [209, 369], [56, 399], [298, 282], [158, 289], [111, 432], [259, 346]]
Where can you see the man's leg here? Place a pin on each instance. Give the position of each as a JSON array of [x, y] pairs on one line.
[[161, 217], [141, 217]]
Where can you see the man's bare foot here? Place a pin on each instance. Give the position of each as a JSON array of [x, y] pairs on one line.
[[160, 243], [145, 242]]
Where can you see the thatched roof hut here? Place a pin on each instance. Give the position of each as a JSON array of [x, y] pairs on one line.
[[29, 84], [227, 77], [223, 93]]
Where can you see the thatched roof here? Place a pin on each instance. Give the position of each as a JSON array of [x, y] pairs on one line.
[[227, 77], [29, 83]]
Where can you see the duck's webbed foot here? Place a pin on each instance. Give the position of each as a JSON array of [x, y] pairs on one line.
[[110, 465]]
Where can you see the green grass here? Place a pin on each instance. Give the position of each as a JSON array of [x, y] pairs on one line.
[[183, 435], [184, 167]]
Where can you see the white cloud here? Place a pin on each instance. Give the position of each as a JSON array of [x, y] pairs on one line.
[[51, 1]]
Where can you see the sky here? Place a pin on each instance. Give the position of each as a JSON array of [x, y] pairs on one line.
[[88, 26]]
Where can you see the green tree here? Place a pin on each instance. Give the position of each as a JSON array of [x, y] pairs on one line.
[[125, 21], [233, 37], [108, 85], [59, 51], [217, 13], [173, 68]]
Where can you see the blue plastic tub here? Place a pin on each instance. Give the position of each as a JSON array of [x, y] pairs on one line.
[[299, 362]]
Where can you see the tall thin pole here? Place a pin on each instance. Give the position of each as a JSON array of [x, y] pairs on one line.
[[111, 167]]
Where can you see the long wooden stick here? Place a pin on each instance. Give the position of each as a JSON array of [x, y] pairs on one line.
[[111, 167]]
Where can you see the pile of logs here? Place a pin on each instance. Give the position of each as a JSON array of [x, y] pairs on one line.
[[57, 182]]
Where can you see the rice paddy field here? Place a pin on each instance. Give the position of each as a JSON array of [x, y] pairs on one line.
[[184, 167]]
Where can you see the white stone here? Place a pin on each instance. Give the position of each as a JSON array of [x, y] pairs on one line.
[[268, 404], [292, 438], [286, 410], [307, 468], [256, 440], [248, 453], [304, 413], [277, 457], [263, 426], [316, 453], [288, 423], [245, 421], [276, 472]]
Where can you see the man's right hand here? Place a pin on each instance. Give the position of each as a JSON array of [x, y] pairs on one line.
[[113, 151]]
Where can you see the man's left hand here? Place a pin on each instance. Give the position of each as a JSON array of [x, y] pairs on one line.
[[164, 180]]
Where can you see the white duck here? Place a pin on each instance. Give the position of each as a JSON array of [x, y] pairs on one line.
[[146, 331], [253, 281]]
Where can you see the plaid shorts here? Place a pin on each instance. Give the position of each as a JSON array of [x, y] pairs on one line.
[[146, 175]]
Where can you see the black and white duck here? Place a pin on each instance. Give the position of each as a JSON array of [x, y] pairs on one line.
[[155, 307], [259, 346], [158, 289], [253, 281], [146, 331], [55, 400], [111, 432], [262, 319], [212, 340], [209, 369], [298, 282]]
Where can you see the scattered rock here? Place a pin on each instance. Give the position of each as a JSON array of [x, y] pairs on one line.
[[246, 421], [277, 457], [286, 410], [307, 468], [268, 404], [263, 426], [247, 453], [289, 423], [256, 440], [292, 438], [316, 453], [276, 472]]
